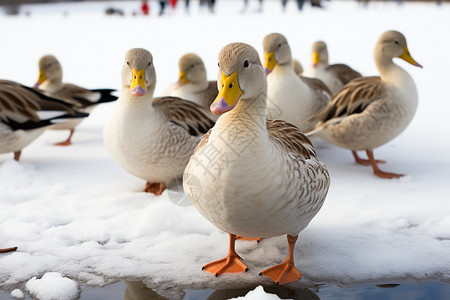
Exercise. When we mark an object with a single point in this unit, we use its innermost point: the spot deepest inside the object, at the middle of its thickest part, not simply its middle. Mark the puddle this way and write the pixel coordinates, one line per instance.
(136, 290)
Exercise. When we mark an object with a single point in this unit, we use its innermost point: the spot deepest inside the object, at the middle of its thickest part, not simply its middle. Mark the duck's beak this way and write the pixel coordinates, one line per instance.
(182, 80)
(138, 85)
(407, 57)
(183, 77)
(270, 62)
(41, 79)
(316, 59)
(229, 94)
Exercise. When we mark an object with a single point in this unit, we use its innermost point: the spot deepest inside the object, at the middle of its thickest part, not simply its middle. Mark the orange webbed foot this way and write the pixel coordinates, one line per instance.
(365, 162)
(229, 264)
(282, 273)
(65, 143)
(155, 188)
(387, 175)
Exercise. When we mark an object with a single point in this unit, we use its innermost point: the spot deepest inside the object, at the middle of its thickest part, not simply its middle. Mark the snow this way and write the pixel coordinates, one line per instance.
(17, 294)
(73, 211)
(258, 294)
(52, 286)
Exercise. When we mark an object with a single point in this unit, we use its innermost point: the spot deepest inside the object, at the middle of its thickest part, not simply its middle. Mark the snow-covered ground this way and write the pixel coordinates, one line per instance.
(73, 211)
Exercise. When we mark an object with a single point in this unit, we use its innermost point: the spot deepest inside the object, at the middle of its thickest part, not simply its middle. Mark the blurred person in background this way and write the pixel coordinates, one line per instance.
(145, 9)
(162, 6)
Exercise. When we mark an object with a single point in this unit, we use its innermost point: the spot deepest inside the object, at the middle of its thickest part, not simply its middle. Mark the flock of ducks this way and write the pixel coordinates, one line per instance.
(240, 143)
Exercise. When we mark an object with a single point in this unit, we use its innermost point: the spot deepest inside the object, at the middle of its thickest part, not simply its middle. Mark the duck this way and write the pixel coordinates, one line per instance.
(25, 113)
(152, 139)
(298, 67)
(192, 82)
(370, 111)
(50, 82)
(335, 76)
(251, 176)
(292, 98)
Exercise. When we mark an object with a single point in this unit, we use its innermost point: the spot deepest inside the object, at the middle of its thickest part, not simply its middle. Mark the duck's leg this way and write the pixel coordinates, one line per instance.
(156, 188)
(377, 171)
(6, 250)
(230, 264)
(17, 155)
(238, 237)
(68, 141)
(285, 272)
(365, 162)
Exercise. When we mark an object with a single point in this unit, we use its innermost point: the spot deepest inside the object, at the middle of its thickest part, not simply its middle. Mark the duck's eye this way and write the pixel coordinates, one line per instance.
(149, 63)
(246, 64)
(279, 45)
(128, 63)
(397, 42)
(218, 65)
(192, 66)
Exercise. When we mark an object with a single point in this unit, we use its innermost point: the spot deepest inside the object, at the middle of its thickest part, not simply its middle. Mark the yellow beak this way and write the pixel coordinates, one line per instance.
(407, 57)
(41, 79)
(316, 59)
(183, 78)
(229, 94)
(270, 62)
(138, 85)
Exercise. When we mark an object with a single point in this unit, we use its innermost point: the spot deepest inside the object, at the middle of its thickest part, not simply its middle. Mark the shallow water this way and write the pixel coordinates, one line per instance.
(134, 290)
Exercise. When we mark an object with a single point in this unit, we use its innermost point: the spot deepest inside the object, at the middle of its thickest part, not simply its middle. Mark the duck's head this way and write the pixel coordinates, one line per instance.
(393, 44)
(192, 69)
(276, 51)
(241, 77)
(50, 70)
(138, 72)
(319, 53)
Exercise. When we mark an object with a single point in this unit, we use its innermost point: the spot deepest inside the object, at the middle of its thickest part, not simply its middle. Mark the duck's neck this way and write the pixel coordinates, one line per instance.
(140, 105)
(249, 115)
(392, 73)
(52, 85)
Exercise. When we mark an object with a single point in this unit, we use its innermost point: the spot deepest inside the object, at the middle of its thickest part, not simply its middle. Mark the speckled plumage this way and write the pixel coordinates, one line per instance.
(195, 86)
(253, 177)
(334, 76)
(25, 113)
(51, 82)
(370, 111)
(152, 138)
(291, 97)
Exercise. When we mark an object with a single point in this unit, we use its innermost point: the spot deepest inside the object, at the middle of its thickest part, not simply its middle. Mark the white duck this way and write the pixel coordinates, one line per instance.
(192, 82)
(290, 97)
(152, 139)
(335, 76)
(252, 177)
(50, 81)
(370, 111)
(26, 113)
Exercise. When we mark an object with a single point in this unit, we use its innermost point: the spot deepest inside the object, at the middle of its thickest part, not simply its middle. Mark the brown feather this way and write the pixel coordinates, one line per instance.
(343, 72)
(186, 114)
(289, 138)
(353, 98)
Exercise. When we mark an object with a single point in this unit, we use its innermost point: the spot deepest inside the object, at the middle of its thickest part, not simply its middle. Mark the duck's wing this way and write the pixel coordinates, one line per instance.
(22, 107)
(343, 72)
(290, 139)
(186, 114)
(84, 97)
(352, 99)
(319, 88)
(210, 93)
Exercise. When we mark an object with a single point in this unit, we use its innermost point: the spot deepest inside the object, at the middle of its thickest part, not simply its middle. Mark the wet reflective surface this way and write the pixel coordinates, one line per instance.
(136, 290)
(132, 290)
